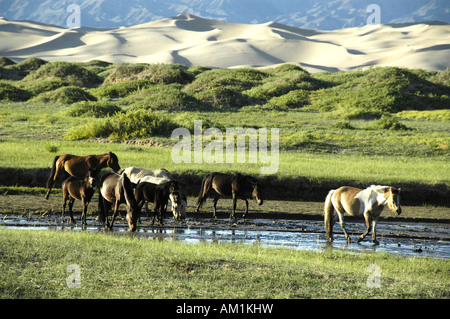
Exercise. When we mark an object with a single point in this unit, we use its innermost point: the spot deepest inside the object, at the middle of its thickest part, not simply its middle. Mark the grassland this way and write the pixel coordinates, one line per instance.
(122, 266)
(375, 126)
(381, 125)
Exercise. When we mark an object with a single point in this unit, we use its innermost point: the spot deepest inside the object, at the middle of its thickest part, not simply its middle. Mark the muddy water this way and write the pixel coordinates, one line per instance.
(400, 238)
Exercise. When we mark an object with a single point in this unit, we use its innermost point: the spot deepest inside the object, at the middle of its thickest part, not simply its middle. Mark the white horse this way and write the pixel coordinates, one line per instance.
(367, 202)
(159, 176)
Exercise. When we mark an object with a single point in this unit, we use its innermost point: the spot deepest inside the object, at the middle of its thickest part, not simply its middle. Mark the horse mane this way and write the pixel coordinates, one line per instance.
(378, 188)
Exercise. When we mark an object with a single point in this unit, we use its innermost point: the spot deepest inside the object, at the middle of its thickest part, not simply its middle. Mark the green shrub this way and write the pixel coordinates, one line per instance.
(279, 85)
(157, 73)
(343, 125)
(196, 70)
(39, 86)
(238, 79)
(93, 109)
(72, 73)
(286, 67)
(122, 126)
(223, 97)
(379, 90)
(4, 61)
(162, 97)
(11, 93)
(64, 95)
(30, 64)
(291, 100)
(92, 129)
(442, 77)
(387, 122)
(121, 89)
(222, 88)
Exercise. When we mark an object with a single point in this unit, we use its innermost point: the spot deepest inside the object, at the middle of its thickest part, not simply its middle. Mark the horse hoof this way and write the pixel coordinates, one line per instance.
(376, 242)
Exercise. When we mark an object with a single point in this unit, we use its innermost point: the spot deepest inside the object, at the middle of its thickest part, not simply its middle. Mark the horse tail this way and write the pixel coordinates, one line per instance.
(329, 215)
(204, 189)
(52, 175)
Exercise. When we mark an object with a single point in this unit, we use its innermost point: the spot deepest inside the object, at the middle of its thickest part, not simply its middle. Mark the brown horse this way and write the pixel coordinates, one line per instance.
(80, 166)
(234, 185)
(367, 202)
(75, 188)
(158, 194)
(117, 189)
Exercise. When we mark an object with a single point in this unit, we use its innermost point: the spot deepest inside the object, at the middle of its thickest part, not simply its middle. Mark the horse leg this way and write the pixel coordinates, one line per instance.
(368, 220)
(64, 206)
(374, 235)
(155, 212)
(116, 211)
(71, 201)
(234, 207)
(246, 208)
(341, 222)
(83, 215)
(216, 198)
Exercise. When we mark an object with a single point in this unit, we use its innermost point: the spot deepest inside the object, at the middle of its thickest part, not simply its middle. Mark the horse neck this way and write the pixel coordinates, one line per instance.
(103, 159)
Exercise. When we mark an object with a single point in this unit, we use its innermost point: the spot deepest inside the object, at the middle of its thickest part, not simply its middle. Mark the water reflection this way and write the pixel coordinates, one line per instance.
(292, 234)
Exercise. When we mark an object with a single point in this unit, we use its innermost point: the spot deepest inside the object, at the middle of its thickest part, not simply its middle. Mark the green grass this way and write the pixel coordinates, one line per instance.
(365, 169)
(381, 125)
(126, 266)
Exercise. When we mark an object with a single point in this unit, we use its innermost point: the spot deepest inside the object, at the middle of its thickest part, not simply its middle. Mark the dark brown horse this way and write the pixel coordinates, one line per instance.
(75, 188)
(117, 189)
(234, 185)
(80, 166)
(158, 194)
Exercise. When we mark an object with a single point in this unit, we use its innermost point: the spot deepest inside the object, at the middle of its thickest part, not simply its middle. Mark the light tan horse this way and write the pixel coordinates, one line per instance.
(80, 166)
(367, 202)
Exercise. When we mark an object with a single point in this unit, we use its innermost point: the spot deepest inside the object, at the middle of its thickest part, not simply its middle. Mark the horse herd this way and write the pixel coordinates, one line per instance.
(136, 186)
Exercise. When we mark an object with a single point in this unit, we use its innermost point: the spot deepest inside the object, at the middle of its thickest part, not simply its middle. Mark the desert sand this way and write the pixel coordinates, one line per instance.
(192, 40)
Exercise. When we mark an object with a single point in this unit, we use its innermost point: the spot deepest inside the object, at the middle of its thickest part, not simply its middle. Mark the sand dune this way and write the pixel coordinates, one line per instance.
(191, 40)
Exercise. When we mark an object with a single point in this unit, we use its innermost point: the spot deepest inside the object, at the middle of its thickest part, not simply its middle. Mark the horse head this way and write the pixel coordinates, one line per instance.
(113, 162)
(257, 191)
(393, 200)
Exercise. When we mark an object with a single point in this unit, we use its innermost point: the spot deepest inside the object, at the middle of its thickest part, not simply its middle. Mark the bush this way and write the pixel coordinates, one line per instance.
(157, 73)
(162, 97)
(223, 97)
(379, 90)
(64, 95)
(121, 89)
(39, 86)
(388, 122)
(72, 73)
(11, 93)
(237, 79)
(291, 100)
(4, 61)
(30, 64)
(93, 109)
(122, 126)
(344, 125)
(279, 85)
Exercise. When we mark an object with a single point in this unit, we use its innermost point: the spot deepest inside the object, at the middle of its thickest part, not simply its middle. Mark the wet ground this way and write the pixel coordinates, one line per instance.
(275, 226)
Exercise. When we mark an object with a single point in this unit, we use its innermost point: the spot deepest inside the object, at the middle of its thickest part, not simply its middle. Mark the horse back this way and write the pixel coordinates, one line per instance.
(77, 166)
(344, 200)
